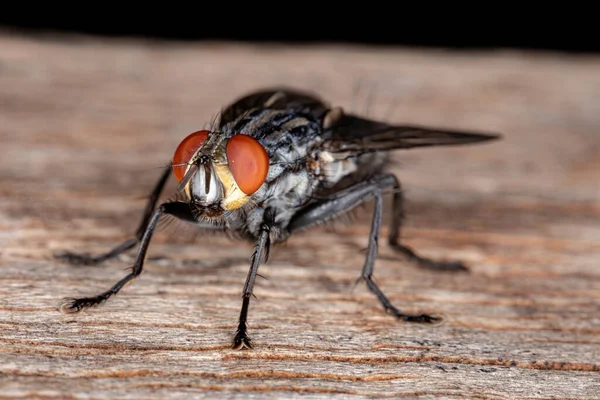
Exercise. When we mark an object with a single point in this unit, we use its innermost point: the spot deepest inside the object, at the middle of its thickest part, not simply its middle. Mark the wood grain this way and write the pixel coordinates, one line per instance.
(86, 125)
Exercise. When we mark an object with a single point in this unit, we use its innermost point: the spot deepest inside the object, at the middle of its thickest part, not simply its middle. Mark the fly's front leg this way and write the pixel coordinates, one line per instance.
(88, 259)
(177, 209)
(344, 202)
(394, 235)
(241, 338)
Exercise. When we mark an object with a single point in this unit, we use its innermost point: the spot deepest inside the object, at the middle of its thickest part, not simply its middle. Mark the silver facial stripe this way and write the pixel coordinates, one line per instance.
(206, 186)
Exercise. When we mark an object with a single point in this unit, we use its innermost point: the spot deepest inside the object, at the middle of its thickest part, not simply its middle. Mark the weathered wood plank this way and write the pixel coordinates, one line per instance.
(85, 126)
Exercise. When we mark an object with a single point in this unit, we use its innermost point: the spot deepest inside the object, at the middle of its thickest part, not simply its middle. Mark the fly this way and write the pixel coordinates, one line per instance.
(275, 163)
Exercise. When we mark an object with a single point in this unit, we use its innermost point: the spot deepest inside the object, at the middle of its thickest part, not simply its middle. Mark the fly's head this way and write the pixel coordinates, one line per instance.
(219, 173)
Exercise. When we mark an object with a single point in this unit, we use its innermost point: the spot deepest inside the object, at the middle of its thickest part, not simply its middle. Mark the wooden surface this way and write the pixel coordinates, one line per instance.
(86, 125)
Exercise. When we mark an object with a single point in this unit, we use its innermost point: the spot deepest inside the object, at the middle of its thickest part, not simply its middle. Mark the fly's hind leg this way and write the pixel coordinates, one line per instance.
(95, 259)
(410, 254)
(345, 201)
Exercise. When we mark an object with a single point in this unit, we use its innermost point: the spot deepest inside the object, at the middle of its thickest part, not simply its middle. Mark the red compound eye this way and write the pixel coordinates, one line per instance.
(248, 162)
(186, 150)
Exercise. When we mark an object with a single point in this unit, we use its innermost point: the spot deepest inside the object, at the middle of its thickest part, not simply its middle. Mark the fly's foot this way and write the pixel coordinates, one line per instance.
(78, 258)
(449, 266)
(390, 309)
(90, 259)
(72, 305)
(418, 318)
(241, 340)
(427, 263)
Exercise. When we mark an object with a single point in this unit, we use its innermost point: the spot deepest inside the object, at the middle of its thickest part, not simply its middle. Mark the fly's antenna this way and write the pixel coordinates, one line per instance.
(187, 177)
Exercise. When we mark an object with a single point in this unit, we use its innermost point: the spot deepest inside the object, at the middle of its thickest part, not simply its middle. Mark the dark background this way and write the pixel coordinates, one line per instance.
(487, 31)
